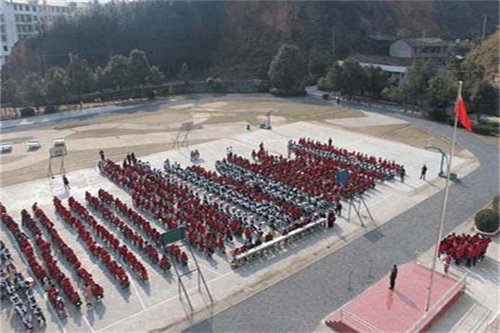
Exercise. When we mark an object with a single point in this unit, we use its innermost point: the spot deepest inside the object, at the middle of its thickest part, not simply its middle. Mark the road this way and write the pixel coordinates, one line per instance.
(299, 302)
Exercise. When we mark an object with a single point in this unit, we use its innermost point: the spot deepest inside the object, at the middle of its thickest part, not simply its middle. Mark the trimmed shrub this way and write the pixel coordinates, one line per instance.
(289, 93)
(50, 109)
(27, 112)
(487, 220)
(437, 115)
(483, 129)
(495, 203)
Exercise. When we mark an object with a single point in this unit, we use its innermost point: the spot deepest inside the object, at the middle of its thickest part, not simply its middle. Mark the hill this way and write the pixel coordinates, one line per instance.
(237, 39)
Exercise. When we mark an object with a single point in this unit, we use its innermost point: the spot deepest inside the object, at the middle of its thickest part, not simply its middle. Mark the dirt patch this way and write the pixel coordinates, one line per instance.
(81, 160)
(405, 133)
(10, 159)
(108, 132)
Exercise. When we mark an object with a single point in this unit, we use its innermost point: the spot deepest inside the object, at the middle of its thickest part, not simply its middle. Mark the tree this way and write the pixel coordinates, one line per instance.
(334, 77)
(376, 81)
(288, 69)
(118, 72)
(354, 78)
(184, 74)
(416, 80)
(438, 93)
(80, 76)
(485, 99)
(34, 90)
(57, 85)
(155, 76)
(317, 62)
(139, 67)
(11, 92)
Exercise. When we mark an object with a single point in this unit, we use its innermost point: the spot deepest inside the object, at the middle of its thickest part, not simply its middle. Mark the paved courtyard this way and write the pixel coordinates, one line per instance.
(147, 307)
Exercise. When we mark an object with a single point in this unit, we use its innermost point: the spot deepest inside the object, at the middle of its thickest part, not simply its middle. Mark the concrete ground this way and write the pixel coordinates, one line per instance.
(157, 305)
(218, 124)
(299, 302)
(480, 302)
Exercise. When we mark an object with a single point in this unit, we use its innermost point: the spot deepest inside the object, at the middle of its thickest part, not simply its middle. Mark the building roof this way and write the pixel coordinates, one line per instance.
(424, 42)
(382, 60)
(60, 3)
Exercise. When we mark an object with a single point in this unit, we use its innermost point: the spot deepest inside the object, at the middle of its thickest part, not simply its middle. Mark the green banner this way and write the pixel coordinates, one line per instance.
(172, 236)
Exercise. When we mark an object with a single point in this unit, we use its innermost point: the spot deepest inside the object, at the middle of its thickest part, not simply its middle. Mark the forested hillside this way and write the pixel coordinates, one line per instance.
(238, 39)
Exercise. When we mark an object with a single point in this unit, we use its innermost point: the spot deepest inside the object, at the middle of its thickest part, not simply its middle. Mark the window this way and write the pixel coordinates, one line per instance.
(33, 8)
(15, 7)
(6, 48)
(28, 8)
(35, 18)
(4, 38)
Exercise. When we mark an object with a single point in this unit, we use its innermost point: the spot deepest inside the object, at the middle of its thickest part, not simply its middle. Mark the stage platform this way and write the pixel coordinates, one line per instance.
(379, 309)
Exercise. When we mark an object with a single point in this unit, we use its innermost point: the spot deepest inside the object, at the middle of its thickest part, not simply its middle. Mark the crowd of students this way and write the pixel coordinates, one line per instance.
(95, 249)
(51, 264)
(19, 290)
(464, 249)
(139, 222)
(129, 234)
(28, 252)
(96, 291)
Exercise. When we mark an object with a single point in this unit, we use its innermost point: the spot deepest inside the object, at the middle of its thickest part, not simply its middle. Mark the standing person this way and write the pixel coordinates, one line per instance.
(424, 171)
(101, 153)
(402, 173)
(447, 262)
(338, 208)
(66, 182)
(393, 276)
(329, 142)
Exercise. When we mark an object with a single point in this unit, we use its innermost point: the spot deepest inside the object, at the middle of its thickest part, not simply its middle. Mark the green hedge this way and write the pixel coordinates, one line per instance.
(487, 220)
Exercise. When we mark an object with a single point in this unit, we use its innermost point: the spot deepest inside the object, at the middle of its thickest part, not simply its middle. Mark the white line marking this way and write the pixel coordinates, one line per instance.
(88, 323)
(158, 304)
(137, 294)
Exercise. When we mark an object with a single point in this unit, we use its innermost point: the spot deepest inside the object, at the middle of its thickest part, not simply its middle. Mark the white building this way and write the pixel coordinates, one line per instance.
(20, 19)
(420, 48)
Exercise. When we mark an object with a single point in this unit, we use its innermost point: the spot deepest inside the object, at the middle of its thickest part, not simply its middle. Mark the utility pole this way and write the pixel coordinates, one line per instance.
(485, 19)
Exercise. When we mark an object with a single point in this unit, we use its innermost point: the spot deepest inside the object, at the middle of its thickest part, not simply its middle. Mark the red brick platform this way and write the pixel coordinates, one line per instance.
(378, 309)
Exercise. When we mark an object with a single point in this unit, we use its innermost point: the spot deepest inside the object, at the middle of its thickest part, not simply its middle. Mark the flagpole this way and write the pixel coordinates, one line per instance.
(445, 201)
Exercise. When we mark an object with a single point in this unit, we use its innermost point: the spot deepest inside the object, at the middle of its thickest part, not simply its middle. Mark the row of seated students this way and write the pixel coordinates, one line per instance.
(251, 239)
(256, 175)
(109, 238)
(95, 249)
(51, 264)
(207, 227)
(28, 252)
(251, 198)
(140, 223)
(381, 168)
(130, 235)
(172, 204)
(68, 253)
(14, 286)
(465, 248)
(311, 174)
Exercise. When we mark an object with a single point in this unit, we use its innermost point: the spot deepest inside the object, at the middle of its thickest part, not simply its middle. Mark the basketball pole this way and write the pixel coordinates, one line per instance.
(445, 202)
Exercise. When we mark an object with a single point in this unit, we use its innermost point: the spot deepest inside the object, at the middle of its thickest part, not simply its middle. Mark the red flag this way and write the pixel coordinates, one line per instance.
(461, 113)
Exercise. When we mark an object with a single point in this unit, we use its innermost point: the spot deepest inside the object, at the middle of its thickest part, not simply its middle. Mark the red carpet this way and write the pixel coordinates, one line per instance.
(378, 309)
